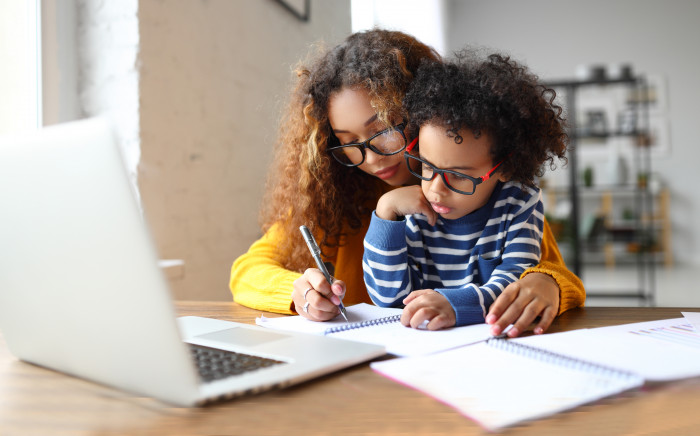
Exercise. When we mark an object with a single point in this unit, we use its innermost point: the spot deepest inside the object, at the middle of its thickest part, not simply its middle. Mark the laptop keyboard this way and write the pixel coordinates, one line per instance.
(214, 364)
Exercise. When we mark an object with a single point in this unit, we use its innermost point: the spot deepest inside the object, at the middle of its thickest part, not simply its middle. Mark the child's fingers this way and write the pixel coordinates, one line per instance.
(421, 318)
(432, 217)
(504, 306)
(503, 301)
(527, 315)
(439, 322)
(410, 310)
(547, 317)
(413, 295)
(427, 210)
(427, 309)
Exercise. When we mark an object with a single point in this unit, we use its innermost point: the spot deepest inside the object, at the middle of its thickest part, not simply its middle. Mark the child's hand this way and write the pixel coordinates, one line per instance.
(405, 201)
(534, 295)
(427, 305)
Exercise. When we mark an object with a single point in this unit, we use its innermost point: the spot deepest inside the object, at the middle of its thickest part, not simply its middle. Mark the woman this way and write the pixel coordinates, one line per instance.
(353, 94)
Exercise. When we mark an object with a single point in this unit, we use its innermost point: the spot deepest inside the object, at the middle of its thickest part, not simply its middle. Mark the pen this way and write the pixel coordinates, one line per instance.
(316, 253)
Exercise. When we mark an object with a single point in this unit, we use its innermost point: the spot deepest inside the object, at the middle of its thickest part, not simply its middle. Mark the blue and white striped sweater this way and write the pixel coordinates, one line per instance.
(469, 260)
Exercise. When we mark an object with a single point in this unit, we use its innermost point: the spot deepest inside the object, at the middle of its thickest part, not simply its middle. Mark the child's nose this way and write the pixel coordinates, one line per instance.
(437, 185)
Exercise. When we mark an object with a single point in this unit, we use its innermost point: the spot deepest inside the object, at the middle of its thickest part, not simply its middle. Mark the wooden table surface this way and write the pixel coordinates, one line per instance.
(37, 401)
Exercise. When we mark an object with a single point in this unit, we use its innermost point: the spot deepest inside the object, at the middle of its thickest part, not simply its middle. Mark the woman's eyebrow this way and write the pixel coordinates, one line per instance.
(371, 119)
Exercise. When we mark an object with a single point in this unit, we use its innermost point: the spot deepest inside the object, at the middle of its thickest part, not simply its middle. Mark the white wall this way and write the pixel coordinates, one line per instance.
(107, 48)
(214, 76)
(554, 36)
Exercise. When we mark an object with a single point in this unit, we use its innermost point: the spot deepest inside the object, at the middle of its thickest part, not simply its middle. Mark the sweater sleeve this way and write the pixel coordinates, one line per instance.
(571, 291)
(258, 279)
(386, 262)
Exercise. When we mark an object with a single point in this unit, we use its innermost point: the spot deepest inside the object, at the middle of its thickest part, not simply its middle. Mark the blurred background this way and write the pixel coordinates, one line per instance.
(195, 89)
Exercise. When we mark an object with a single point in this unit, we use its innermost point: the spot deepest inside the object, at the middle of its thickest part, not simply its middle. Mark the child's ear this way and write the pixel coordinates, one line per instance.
(502, 176)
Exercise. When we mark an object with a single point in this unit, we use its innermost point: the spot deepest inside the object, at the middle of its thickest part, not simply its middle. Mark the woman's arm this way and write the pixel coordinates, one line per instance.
(258, 279)
(546, 290)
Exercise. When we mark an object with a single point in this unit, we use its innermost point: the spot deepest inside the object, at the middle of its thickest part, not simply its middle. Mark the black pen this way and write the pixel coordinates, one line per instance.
(316, 253)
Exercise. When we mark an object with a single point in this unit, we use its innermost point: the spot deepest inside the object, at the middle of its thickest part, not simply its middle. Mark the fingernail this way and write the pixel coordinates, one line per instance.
(539, 330)
(490, 318)
(513, 332)
(496, 330)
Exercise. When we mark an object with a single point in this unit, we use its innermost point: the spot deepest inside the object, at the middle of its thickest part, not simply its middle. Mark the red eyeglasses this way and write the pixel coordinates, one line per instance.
(454, 180)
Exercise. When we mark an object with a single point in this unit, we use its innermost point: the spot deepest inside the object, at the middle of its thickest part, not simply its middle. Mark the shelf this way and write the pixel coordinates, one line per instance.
(615, 225)
(573, 83)
(583, 135)
(598, 190)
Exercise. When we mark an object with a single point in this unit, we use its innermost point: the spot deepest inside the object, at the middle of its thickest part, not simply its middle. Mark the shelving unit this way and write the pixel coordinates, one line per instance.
(612, 224)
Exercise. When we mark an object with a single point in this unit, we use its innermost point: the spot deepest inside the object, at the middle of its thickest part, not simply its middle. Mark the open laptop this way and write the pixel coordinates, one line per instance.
(81, 292)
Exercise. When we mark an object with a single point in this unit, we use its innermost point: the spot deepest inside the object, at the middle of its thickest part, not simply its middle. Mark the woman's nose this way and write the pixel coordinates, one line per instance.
(372, 157)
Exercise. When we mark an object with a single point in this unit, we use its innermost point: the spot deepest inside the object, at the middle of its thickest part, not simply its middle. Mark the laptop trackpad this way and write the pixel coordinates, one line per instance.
(243, 336)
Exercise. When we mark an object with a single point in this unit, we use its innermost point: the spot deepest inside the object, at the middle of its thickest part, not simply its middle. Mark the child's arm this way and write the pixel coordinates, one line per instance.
(545, 291)
(404, 201)
(471, 302)
(521, 251)
(386, 262)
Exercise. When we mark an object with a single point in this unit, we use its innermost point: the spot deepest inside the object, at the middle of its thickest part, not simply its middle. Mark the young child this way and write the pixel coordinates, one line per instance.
(446, 249)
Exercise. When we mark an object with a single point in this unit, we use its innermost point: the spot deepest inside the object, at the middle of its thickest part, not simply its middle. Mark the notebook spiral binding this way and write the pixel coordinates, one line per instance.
(551, 357)
(361, 324)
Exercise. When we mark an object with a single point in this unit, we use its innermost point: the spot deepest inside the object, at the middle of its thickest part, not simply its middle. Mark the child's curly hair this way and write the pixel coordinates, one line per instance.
(497, 96)
(306, 185)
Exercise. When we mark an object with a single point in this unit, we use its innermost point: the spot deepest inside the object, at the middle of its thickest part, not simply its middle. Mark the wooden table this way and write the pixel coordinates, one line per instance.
(37, 401)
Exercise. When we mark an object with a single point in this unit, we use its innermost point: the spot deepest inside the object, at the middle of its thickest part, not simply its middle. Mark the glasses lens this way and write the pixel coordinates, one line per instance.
(348, 155)
(389, 142)
(460, 182)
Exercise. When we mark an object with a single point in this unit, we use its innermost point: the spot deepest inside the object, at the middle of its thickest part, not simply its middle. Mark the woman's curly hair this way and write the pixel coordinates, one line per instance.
(305, 184)
(499, 97)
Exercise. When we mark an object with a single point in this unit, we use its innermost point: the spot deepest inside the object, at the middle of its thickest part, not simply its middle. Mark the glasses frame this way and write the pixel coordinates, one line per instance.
(366, 144)
(475, 180)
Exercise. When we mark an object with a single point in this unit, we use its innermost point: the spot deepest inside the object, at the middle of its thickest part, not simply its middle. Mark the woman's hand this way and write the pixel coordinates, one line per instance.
(534, 295)
(426, 305)
(314, 298)
(405, 201)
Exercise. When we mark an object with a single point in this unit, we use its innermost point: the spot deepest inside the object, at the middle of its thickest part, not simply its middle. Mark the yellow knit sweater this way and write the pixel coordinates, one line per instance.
(258, 279)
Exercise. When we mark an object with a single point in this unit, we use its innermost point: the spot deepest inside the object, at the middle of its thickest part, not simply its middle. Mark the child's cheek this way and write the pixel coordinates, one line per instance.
(425, 186)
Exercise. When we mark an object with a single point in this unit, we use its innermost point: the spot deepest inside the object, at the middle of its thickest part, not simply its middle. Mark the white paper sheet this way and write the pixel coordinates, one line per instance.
(694, 319)
(398, 340)
(661, 350)
(498, 388)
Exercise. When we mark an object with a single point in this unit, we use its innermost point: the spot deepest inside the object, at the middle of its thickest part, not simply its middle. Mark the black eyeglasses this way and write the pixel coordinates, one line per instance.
(388, 142)
(455, 181)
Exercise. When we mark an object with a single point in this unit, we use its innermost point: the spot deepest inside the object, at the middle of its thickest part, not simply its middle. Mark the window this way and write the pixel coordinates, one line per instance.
(20, 78)
(424, 19)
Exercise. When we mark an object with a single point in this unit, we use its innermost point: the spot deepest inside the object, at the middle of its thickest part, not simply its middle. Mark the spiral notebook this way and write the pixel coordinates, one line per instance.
(499, 382)
(379, 325)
